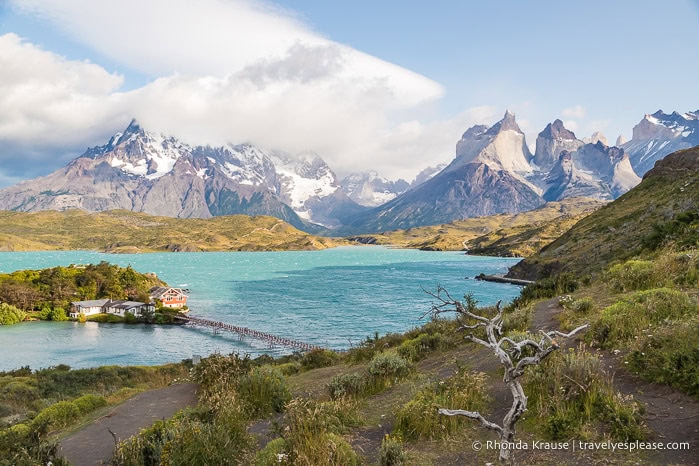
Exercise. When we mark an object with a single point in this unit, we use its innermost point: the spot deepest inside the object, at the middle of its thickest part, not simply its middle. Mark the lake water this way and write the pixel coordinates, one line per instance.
(334, 298)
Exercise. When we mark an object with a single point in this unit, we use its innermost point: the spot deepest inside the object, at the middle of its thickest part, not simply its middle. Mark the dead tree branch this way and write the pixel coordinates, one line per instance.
(509, 352)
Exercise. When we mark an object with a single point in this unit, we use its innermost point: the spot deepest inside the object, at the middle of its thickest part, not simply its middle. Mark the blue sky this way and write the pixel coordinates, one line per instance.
(384, 85)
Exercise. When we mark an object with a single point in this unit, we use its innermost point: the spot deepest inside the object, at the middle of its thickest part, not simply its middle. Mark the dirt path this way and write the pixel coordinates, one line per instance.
(670, 414)
(95, 445)
(367, 440)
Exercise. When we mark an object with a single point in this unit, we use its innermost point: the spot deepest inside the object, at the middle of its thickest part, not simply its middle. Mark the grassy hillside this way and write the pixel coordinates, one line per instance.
(631, 270)
(505, 234)
(661, 211)
(127, 232)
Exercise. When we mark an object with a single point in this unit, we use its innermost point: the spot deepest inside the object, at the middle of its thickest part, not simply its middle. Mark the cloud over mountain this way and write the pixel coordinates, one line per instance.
(223, 71)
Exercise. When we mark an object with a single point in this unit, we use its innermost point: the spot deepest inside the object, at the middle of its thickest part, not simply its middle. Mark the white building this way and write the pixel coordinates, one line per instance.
(108, 306)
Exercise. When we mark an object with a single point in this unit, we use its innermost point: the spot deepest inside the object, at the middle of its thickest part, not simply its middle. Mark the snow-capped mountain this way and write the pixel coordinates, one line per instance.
(309, 186)
(148, 172)
(494, 172)
(660, 134)
(593, 170)
(487, 176)
(426, 174)
(370, 189)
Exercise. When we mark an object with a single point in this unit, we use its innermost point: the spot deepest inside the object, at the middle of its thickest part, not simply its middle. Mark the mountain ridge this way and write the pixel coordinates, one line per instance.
(493, 171)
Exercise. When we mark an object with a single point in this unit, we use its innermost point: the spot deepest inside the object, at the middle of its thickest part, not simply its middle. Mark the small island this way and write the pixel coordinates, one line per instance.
(98, 293)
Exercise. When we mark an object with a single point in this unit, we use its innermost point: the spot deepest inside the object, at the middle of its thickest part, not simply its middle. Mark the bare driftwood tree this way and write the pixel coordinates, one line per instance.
(514, 356)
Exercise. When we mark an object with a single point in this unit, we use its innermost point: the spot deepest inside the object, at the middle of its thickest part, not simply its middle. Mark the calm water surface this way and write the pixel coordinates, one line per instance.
(335, 298)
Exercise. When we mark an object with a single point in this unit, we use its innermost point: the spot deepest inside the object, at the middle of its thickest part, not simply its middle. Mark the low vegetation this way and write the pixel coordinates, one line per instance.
(420, 419)
(571, 396)
(35, 404)
(131, 232)
(645, 308)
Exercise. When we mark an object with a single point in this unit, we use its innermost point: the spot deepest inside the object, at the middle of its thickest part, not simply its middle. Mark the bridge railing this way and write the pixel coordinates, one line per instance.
(248, 332)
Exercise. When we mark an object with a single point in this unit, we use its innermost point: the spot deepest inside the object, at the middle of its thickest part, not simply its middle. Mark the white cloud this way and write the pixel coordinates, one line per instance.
(577, 111)
(50, 106)
(571, 125)
(209, 38)
(224, 71)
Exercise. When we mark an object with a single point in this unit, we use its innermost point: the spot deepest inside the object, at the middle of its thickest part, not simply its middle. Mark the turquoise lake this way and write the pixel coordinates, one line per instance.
(334, 298)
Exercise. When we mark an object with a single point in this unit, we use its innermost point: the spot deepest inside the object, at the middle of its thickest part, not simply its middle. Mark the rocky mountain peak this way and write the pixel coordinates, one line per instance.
(660, 134)
(551, 142)
(474, 132)
(557, 130)
(371, 189)
(596, 137)
(508, 123)
(426, 174)
(502, 147)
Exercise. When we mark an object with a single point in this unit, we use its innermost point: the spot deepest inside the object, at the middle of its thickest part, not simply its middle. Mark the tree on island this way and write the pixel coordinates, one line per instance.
(514, 356)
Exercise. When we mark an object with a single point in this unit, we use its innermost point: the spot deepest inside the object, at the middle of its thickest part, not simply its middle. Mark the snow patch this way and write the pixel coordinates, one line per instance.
(300, 189)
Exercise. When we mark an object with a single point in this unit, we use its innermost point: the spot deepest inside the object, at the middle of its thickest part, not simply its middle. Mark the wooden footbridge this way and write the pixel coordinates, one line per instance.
(247, 332)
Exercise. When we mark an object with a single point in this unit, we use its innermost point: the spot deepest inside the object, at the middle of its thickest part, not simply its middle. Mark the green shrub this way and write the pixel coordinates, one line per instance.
(582, 306)
(517, 318)
(634, 275)
(682, 230)
(419, 418)
(58, 314)
(45, 312)
(58, 382)
(10, 315)
(289, 368)
(388, 365)
(191, 437)
(344, 385)
(273, 454)
(20, 390)
(55, 416)
(391, 452)
(628, 318)
(264, 390)
(570, 394)
(223, 441)
(319, 358)
(312, 434)
(669, 355)
(362, 353)
(546, 288)
(12, 440)
(105, 318)
(418, 348)
(88, 403)
(218, 372)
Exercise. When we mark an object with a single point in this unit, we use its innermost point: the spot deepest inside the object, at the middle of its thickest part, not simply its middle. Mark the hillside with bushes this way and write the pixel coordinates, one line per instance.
(660, 213)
